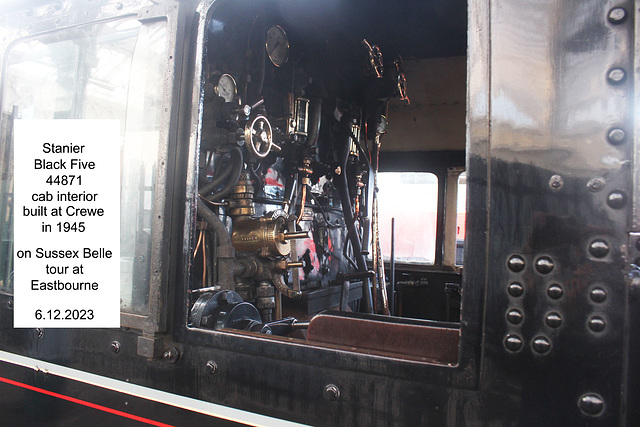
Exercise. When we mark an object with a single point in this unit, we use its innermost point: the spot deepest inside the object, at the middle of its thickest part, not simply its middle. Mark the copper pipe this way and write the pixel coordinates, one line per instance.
(302, 201)
(278, 309)
(204, 259)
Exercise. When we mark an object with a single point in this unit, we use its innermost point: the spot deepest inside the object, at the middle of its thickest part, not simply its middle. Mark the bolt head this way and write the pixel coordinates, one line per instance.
(515, 289)
(556, 182)
(598, 294)
(516, 263)
(513, 342)
(616, 76)
(617, 199)
(599, 248)
(544, 265)
(515, 316)
(616, 136)
(541, 344)
(212, 367)
(617, 15)
(555, 291)
(595, 185)
(591, 404)
(597, 323)
(331, 392)
(553, 319)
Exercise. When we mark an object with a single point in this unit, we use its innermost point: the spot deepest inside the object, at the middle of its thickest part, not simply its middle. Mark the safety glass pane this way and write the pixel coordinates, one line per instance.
(108, 70)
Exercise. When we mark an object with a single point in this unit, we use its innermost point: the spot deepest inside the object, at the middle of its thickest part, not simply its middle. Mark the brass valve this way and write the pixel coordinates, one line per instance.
(261, 235)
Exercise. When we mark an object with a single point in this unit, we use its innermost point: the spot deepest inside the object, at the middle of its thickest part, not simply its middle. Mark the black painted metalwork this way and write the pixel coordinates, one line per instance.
(550, 284)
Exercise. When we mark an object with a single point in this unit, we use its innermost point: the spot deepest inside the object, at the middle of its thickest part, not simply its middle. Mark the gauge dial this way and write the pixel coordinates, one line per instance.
(277, 45)
(226, 88)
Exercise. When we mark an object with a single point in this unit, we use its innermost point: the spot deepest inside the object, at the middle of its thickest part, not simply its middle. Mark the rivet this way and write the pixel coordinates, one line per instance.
(212, 367)
(617, 15)
(544, 265)
(595, 185)
(40, 332)
(553, 319)
(616, 76)
(119, 6)
(10, 305)
(516, 263)
(331, 392)
(541, 344)
(171, 355)
(515, 289)
(115, 347)
(597, 323)
(598, 294)
(617, 199)
(555, 182)
(513, 342)
(591, 404)
(555, 291)
(616, 136)
(514, 316)
(599, 248)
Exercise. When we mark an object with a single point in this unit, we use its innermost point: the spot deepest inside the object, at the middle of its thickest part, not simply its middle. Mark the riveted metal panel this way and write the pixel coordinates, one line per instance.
(559, 207)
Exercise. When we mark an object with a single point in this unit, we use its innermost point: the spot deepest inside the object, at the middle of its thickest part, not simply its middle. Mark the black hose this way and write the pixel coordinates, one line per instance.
(236, 170)
(214, 222)
(209, 186)
(345, 200)
(225, 253)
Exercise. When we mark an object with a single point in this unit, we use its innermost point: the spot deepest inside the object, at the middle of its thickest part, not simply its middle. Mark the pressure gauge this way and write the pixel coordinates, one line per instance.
(277, 45)
(226, 88)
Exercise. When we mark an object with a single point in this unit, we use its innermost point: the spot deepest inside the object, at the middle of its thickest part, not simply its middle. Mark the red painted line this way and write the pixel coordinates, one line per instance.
(85, 403)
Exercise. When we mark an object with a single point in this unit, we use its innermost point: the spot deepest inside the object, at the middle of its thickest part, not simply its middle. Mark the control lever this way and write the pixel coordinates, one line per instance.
(375, 58)
(346, 282)
(277, 327)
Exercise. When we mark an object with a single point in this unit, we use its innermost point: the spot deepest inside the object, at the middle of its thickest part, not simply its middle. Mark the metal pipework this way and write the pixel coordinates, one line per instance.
(225, 252)
(278, 267)
(241, 198)
(293, 235)
(278, 282)
(345, 198)
(262, 235)
(266, 235)
(294, 264)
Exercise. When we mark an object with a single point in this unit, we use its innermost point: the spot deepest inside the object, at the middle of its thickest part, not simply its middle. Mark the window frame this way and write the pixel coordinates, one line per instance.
(154, 321)
(274, 350)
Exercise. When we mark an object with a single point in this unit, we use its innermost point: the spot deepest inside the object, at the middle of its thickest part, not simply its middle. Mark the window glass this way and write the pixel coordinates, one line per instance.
(412, 199)
(462, 217)
(108, 70)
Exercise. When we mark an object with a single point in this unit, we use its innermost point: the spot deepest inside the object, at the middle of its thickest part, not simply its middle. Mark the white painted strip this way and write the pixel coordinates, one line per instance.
(190, 404)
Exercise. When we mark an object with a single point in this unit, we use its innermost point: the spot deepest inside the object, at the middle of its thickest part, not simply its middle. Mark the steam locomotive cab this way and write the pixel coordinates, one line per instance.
(342, 213)
(294, 115)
